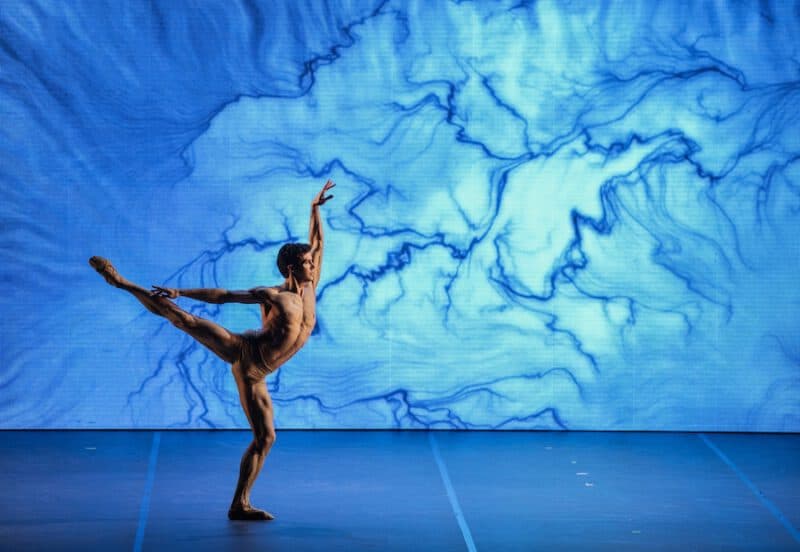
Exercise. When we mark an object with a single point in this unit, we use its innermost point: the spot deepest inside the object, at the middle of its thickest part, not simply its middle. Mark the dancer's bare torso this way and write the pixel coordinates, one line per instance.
(287, 320)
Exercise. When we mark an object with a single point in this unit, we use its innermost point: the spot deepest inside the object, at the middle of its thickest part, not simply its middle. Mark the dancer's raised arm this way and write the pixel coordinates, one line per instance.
(215, 295)
(315, 230)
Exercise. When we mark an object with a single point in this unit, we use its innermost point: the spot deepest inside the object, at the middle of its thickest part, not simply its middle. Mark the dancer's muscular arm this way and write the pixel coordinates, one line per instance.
(214, 295)
(315, 229)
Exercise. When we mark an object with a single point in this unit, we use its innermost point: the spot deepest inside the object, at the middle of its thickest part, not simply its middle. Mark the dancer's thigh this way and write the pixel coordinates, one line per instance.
(224, 343)
(257, 405)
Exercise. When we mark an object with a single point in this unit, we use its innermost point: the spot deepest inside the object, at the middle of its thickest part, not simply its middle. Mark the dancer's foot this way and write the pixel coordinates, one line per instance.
(249, 514)
(106, 270)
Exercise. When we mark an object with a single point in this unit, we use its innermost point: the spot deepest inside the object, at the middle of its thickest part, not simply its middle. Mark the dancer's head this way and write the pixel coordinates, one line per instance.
(295, 258)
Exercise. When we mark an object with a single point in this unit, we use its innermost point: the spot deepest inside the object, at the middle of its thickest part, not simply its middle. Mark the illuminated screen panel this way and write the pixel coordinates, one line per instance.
(547, 215)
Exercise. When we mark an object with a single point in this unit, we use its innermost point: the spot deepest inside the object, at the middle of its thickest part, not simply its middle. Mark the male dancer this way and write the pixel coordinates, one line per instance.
(287, 315)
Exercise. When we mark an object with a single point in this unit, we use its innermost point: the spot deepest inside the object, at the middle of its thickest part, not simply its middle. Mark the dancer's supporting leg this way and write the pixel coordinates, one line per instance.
(220, 341)
(257, 405)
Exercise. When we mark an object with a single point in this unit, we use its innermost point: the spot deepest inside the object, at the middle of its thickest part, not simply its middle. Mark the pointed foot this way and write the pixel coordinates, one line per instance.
(104, 267)
(249, 514)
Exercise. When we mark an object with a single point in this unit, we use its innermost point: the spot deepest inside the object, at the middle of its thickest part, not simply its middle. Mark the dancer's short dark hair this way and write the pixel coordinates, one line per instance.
(290, 254)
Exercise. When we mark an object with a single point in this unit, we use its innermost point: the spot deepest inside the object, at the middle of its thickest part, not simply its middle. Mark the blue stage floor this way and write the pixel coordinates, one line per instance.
(352, 490)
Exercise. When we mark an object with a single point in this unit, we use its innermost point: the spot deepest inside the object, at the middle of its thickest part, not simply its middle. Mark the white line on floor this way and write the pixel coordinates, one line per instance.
(451, 494)
(752, 486)
(144, 509)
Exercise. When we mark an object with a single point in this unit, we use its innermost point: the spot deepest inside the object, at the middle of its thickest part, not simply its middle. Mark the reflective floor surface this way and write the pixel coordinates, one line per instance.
(353, 490)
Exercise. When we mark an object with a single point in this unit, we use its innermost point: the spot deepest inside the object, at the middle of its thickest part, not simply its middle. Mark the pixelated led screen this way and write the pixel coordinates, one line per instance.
(548, 215)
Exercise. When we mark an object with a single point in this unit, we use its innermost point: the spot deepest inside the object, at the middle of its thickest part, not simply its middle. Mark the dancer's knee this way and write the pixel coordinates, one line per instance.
(264, 442)
(182, 321)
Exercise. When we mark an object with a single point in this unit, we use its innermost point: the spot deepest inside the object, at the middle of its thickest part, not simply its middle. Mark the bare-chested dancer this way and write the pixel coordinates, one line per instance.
(287, 316)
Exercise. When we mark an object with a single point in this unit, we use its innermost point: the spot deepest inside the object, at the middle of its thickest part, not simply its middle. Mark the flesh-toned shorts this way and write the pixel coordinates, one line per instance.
(251, 360)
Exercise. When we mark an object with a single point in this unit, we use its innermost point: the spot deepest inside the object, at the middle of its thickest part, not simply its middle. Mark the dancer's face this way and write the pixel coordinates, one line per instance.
(305, 272)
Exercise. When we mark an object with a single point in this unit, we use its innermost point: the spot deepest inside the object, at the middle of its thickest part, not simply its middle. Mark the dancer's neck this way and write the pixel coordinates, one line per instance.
(291, 284)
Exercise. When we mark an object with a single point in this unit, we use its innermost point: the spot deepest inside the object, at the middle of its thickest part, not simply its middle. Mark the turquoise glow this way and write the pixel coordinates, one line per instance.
(548, 215)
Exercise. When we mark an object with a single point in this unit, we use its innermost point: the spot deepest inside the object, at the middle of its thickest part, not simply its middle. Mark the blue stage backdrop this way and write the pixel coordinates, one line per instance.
(549, 215)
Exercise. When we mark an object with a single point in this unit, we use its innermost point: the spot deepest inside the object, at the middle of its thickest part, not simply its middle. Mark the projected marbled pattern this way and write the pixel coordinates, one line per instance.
(546, 216)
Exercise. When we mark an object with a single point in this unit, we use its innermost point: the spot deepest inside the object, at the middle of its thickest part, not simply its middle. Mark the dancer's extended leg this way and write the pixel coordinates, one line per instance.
(257, 405)
(254, 397)
(220, 341)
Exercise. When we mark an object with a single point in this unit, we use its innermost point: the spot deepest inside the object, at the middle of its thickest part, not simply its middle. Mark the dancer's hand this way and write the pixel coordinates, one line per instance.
(170, 293)
(321, 198)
